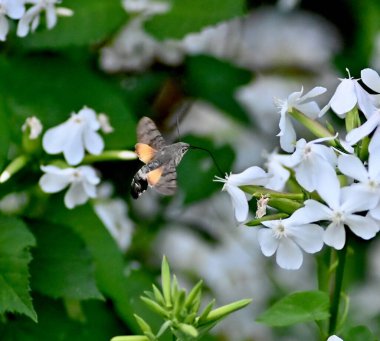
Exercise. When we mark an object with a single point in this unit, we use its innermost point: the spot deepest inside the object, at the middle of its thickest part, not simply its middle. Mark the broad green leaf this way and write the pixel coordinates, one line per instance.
(62, 266)
(110, 270)
(99, 323)
(15, 241)
(297, 307)
(52, 88)
(93, 22)
(197, 169)
(188, 16)
(359, 333)
(216, 81)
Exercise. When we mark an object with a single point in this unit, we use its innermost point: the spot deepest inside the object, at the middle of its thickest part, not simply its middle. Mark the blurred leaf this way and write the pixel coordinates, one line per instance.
(359, 333)
(93, 21)
(297, 307)
(4, 132)
(61, 266)
(15, 241)
(99, 324)
(216, 81)
(111, 273)
(52, 88)
(197, 169)
(188, 16)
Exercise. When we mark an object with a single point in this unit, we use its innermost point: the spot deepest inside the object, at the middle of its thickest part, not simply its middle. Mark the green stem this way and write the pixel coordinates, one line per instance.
(16, 165)
(337, 290)
(258, 191)
(111, 155)
(315, 127)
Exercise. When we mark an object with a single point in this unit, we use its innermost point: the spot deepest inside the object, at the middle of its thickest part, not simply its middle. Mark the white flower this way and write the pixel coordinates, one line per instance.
(251, 176)
(31, 19)
(146, 7)
(279, 174)
(34, 125)
(369, 180)
(347, 95)
(75, 135)
(302, 103)
(82, 182)
(334, 338)
(105, 124)
(14, 9)
(114, 215)
(341, 207)
(287, 237)
(312, 162)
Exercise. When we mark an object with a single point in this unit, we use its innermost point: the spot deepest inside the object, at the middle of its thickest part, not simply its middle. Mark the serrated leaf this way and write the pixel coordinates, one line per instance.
(90, 24)
(216, 81)
(296, 308)
(188, 16)
(62, 266)
(15, 241)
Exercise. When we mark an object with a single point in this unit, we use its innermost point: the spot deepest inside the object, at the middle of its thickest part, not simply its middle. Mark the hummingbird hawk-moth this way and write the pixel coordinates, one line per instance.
(160, 158)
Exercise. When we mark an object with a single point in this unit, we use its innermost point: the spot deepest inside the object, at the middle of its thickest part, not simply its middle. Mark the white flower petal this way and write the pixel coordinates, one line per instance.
(335, 236)
(55, 138)
(268, 243)
(288, 137)
(371, 78)
(4, 27)
(89, 174)
(352, 166)
(51, 16)
(355, 199)
(289, 256)
(312, 211)
(73, 148)
(52, 183)
(365, 129)
(251, 176)
(93, 142)
(374, 145)
(344, 98)
(318, 90)
(309, 237)
(375, 212)
(239, 202)
(15, 9)
(328, 186)
(364, 227)
(365, 102)
(89, 115)
(310, 109)
(75, 195)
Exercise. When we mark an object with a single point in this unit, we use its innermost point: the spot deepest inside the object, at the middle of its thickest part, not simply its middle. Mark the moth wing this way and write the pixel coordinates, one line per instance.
(154, 176)
(144, 152)
(167, 183)
(148, 133)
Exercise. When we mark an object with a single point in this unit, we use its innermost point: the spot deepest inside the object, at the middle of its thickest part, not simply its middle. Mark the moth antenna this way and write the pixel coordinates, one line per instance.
(212, 156)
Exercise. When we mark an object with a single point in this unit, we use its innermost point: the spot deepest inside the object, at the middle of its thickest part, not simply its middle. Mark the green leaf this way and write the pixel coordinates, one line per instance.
(216, 81)
(56, 88)
(100, 323)
(197, 169)
(359, 333)
(166, 281)
(90, 24)
(15, 241)
(296, 308)
(192, 15)
(62, 266)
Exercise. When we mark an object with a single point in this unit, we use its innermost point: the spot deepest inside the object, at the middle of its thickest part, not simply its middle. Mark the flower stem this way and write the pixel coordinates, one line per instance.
(337, 290)
(16, 165)
(315, 127)
(111, 155)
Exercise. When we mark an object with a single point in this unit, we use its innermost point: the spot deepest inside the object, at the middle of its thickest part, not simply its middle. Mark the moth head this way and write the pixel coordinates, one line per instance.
(184, 147)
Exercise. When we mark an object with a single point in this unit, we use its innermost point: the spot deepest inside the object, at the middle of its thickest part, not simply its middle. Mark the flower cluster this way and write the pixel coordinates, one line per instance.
(334, 183)
(28, 13)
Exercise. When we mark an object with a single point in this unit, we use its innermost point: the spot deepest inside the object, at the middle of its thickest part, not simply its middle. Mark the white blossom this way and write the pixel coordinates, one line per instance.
(73, 137)
(251, 176)
(31, 18)
(105, 124)
(14, 9)
(347, 95)
(146, 7)
(34, 125)
(286, 238)
(304, 104)
(334, 338)
(341, 208)
(279, 175)
(312, 163)
(114, 215)
(81, 181)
